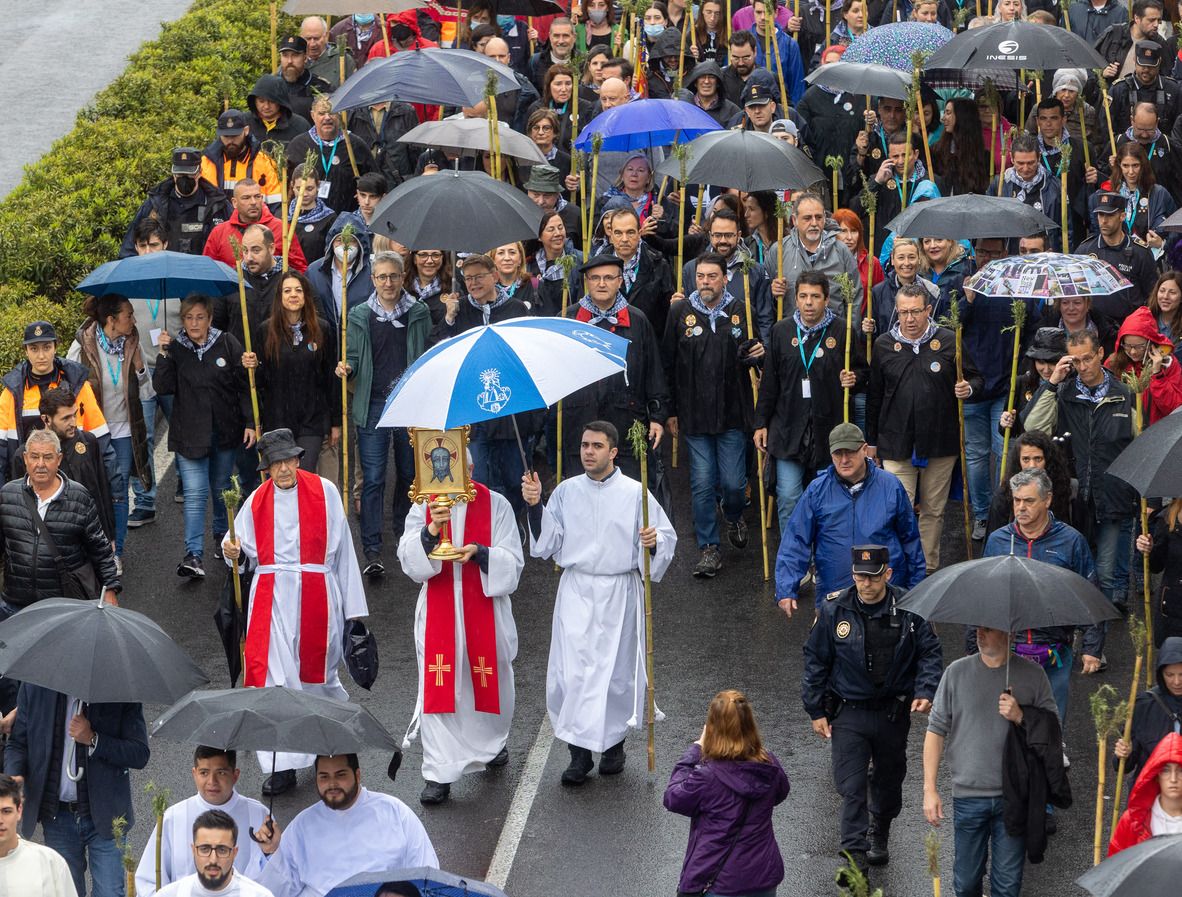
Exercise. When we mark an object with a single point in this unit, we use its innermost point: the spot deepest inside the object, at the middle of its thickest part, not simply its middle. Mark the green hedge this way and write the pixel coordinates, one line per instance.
(71, 210)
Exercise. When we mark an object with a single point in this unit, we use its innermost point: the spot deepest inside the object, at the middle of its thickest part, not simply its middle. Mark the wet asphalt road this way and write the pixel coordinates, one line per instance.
(57, 55)
(613, 835)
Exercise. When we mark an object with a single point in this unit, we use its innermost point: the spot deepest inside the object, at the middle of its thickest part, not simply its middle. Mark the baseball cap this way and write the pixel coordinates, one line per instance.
(1148, 52)
(1108, 203)
(846, 438)
(39, 332)
(231, 123)
(294, 44)
(870, 559)
(186, 160)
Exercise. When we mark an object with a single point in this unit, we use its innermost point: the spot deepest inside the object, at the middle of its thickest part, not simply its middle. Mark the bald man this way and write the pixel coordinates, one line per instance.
(324, 60)
(612, 93)
(512, 106)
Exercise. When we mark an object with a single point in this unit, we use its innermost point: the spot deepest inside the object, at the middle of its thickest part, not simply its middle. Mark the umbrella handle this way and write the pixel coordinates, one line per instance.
(73, 773)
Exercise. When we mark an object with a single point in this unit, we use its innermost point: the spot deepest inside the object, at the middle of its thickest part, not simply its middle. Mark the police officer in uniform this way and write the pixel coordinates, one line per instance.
(1146, 84)
(1125, 252)
(868, 667)
(187, 206)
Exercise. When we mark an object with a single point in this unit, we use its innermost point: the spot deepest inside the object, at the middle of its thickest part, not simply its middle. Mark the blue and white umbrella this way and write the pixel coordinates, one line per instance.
(513, 366)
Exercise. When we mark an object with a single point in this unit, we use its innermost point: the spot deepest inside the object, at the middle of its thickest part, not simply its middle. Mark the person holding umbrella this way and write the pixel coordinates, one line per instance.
(868, 667)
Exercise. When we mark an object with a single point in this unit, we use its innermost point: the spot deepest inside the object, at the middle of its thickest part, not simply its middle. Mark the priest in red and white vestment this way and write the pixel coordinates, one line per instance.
(465, 638)
(293, 534)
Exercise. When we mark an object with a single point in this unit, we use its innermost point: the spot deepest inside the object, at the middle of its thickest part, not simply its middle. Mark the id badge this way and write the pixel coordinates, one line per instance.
(322, 190)
(155, 334)
(806, 388)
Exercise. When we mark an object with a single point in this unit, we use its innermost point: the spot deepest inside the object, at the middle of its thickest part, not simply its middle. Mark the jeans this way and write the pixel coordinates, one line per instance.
(858, 411)
(718, 462)
(789, 488)
(1113, 545)
(497, 464)
(980, 832)
(125, 460)
(980, 438)
(373, 454)
(1060, 679)
(74, 837)
(145, 499)
(200, 477)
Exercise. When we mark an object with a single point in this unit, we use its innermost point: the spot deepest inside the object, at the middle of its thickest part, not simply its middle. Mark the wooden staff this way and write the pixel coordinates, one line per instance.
(769, 10)
(1107, 101)
(828, 20)
(160, 799)
(1018, 314)
(1137, 636)
(347, 236)
(846, 283)
(232, 498)
(277, 151)
(779, 64)
(870, 203)
(1083, 134)
(699, 206)
(1142, 384)
(783, 210)
(912, 99)
(834, 163)
(1064, 164)
(236, 246)
(679, 151)
(1106, 715)
(274, 35)
(1065, 5)
(638, 436)
(918, 58)
(1007, 142)
(568, 265)
(966, 505)
(494, 132)
(289, 234)
(578, 193)
(596, 143)
(578, 61)
(349, 144)
(994, 100)
(126, 857)
(931, 842)
(686, 26)
(746, 261)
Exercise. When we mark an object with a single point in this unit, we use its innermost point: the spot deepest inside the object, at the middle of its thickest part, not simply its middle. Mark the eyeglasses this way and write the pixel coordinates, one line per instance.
(542, 127)
(387, 278)
(206, 849)
(911, 312)
(430, 255)
(603, 278)
(731, 236)
(474, 277)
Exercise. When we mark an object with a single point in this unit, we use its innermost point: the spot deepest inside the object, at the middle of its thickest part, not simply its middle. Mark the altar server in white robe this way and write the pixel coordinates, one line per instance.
(591, 527)
(216, 875)
(350, 830)
(295, 537)
(215, 774)
(465, 638)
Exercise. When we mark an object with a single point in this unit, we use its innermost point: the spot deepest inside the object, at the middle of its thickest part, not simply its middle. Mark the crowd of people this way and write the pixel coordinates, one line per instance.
(800, 363)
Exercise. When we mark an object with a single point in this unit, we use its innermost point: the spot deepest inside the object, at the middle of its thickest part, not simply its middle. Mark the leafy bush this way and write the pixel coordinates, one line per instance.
(71, 210)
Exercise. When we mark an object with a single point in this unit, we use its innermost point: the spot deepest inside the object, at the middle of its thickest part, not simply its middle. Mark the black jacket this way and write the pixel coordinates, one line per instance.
(84, 461)
(187, 219)
(211, 403)
(289, 124)
(833, 127)
(910, 407)
(798, 428)
(303, 91)
(342, 190)
(763, 306)
(1155, 713)
(30, 572)
(1132, 259)
(1165, 94)
(395, 160)
(1032, 776)
(298, 389)
(1166, 558)
(652, 289)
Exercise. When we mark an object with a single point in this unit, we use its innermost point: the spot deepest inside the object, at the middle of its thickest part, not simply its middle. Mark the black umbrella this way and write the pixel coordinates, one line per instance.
(431, 75)
(870, 79)
(743, 160)
(1152, 463)
(515, 7)
(1015, 45)
(95, 651)
(463, 211)
(970, 217)
(1173, 224)
(1151, 867)
(1010, 593)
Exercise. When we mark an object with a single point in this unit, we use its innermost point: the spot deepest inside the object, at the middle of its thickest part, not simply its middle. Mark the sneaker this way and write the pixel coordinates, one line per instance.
(710, 564)
(374, 567)
(179, 498)
(191, 567)
(140, 517)
(118, 566)
(736, 533)
(979, 530)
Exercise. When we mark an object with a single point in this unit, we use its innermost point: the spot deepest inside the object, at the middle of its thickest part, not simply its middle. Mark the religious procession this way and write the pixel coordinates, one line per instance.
(575, 446)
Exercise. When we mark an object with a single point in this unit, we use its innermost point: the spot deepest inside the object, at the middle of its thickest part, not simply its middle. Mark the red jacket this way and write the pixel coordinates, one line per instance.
(1165, 387)
(218, 245)
(1133, 827)
(410, 19)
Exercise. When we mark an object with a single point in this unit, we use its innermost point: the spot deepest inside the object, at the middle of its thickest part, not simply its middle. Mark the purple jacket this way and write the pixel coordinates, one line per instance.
(713, 795)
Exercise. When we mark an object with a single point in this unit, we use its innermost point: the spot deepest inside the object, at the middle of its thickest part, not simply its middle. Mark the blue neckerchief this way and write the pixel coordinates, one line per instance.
(712, 314)
(391, 316)
(1094, 395)
(199, 351)
(915, 344)
(611, 315)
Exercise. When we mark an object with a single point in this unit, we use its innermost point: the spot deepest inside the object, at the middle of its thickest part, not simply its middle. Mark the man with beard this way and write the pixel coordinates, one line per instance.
(870, 147)
(811, 246)
(236, 156)
(901, 166)
(352, 830)
(187, 206)
(249, 209)
(330, 147)
(215, 847)
(302, 85)
(1126, 253)
(1146, 84)
(261, 268)
(725, 238)
(741, 64)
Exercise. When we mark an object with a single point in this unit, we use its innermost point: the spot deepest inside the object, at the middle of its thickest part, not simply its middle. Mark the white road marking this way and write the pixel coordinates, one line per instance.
(519, 809)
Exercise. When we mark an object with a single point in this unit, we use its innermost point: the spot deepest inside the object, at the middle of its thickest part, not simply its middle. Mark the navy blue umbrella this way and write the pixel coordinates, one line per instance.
(429, 882)
(643, 124)
(161, 275)
(431, 75)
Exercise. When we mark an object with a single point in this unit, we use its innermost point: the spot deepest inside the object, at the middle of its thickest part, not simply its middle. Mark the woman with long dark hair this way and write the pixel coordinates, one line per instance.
(1165, 301)
(1147, 202)
(759, 214)
(429, 279)
(728, 783)
(960, 155)
(1033, 449)
(712, 32)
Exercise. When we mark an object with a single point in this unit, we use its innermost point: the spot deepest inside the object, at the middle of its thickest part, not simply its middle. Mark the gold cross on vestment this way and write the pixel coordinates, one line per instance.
(482, 671)
(439, 668)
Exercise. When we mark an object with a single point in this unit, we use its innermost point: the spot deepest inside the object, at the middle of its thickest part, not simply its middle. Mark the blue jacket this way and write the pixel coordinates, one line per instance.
(122, 745)
(790, 63)
(828, 521)
(1063, 546)
(989, 340)
(835, 658)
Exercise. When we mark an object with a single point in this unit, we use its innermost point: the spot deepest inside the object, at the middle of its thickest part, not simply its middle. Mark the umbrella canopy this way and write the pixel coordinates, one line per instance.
(1151, 867)
(347, 7)
(1172, 224)
(464, 211)
(1047, 275)
(1152, 463)
(970, 217)
(431, 75)
(871, 79)
(744, 160)
(505, 368)
(161, 275)
(517, 7)
(643, 124)
(272, 719)
(891, 45)
(430, 882)
(1010, 593)
(1015, 45)
(96, 652)
(471, 135)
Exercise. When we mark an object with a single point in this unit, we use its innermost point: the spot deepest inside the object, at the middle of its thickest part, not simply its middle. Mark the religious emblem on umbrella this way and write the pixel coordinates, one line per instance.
(494, 396)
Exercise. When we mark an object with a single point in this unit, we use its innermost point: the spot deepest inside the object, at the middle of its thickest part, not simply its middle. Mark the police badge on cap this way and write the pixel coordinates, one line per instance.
(871, 560)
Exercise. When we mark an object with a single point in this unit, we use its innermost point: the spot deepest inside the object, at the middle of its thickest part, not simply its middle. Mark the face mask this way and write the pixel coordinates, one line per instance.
(597, 16)
(507, 23)
(339, 252)
(185, 184)
(364, 19)
(401, 32)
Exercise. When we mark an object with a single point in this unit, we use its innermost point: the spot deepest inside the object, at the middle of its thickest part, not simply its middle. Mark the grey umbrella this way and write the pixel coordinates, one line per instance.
(970, 217)
(463, 211)
(1152, 463)
(870, 79)
(430, 75)
(744, 160)
(1151, 867)
(96, 652)
(471, 135)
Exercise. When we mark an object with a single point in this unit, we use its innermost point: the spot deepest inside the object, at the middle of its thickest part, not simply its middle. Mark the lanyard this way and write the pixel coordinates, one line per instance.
(154, 308)
(115, 371)
(1131, 215)
(1047, 163)
(331, 159)
(801, 339)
